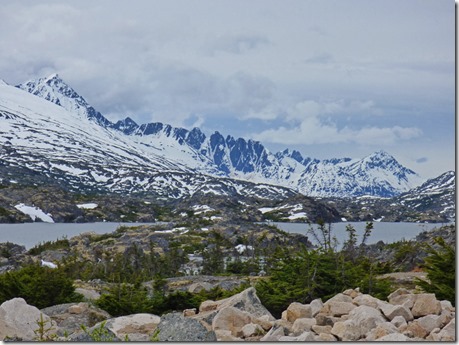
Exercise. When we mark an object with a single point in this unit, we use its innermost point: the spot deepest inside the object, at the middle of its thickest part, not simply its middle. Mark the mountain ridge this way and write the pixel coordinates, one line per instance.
(377, 174)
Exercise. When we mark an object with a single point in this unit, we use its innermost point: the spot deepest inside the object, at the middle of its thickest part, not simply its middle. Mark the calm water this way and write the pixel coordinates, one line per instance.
(30, 234)
(382, 231)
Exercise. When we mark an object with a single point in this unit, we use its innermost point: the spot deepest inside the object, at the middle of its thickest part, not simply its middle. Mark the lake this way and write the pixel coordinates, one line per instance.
(382, 231)
(30, 234)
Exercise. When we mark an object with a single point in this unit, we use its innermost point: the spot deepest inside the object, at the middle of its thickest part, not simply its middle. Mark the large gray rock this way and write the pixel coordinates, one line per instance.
(176, 327)
(446, 305)
(19, 320)
(367, 300)
(252, 330)
(366, 317)
(425, 304)
(340, 297)
(448, 333)
(69, 317)
(391, 311)
(429, 322)
(246, 300)
(231, 319)
(380, 331)
(399, 321)
(361, 321)
(316, 305)
(402, 297)
(398, 292)
(337, 308)
(346, 331)
(136, 327)
(296, 311)
(302, 325)
(274, 334)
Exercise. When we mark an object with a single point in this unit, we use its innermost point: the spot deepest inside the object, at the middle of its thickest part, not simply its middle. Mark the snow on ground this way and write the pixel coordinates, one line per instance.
(202, 209)
(88, 206)
(266, 209)
(181, 230)
(298, 215)
(241, 248)
(34, 213)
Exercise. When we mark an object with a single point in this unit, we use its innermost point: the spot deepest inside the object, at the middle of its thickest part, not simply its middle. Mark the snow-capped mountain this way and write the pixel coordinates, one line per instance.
(72, 138)
(43, 143)
(438, 194)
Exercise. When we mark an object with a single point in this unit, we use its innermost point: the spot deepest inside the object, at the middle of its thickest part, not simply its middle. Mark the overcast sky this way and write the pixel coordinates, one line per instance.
(329, 78)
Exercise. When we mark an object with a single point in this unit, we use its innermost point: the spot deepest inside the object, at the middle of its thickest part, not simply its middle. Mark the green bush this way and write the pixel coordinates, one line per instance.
(440, 266)
(125, 299)
(39, 286)
(308, 274)
(50, 245)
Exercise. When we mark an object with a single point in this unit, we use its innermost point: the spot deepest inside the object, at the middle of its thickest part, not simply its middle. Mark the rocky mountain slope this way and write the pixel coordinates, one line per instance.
(433, 201)
(437, 194)
(147, 150)
(44, 144)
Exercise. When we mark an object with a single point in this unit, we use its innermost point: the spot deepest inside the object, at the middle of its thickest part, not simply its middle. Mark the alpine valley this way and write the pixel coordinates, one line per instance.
(57, 152)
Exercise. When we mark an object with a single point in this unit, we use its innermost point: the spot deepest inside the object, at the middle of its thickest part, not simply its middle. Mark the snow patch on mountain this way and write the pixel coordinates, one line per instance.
(34, 213)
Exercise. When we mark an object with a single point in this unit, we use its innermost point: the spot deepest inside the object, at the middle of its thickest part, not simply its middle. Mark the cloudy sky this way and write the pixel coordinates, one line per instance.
(330, 78)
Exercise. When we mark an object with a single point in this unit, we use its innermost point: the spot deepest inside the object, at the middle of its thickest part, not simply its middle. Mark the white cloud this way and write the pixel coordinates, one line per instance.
(305, 125)
(319, 75)
(312, 132)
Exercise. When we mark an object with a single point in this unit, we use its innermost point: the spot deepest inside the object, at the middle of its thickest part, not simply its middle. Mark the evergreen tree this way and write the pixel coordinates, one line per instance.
(440, 266)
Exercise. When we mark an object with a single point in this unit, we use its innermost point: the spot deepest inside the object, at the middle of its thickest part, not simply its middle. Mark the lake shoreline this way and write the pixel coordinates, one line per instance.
(31, 234)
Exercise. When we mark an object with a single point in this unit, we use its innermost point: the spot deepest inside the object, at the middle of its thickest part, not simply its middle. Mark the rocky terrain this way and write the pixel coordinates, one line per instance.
(67, 207)
(408, 314)
(348, 316)
(240, 238)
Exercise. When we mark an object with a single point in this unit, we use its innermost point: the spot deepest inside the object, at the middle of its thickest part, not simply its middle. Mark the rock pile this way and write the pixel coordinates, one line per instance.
(348, 316)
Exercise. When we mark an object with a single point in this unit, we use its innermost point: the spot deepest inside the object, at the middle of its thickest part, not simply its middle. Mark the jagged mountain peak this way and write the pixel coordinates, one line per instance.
(377, 174)
(383, 160)
(127, 126)
(380, 155)
(54, 89)
(53, 77)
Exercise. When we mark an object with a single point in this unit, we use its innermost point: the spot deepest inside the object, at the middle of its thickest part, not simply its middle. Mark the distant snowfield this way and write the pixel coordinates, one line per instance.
(88, 206)
(34, 213)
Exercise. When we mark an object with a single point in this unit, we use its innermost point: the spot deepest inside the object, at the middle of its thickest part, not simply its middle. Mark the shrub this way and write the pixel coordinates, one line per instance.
(125, 299)
(50, 245)
(440, 266)
(319, 273)
(39, 286)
